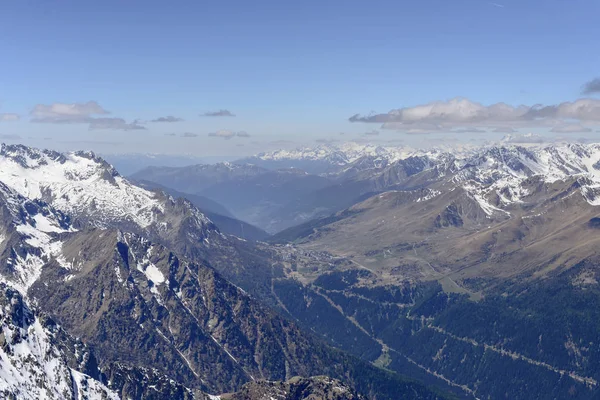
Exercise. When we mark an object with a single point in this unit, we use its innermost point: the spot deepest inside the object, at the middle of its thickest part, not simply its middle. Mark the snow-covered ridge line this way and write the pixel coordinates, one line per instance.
(500, 170)
(77, 183)
(494, 175)
(506, 170)
(338, 155)
(45, 192)
(349, 152)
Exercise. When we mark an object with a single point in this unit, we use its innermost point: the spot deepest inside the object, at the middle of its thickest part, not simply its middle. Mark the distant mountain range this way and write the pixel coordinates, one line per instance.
(272, 193)
(498, 206)
(214, 211)
(253, 194)
(325, 158)
(129, 163)
(473, 273)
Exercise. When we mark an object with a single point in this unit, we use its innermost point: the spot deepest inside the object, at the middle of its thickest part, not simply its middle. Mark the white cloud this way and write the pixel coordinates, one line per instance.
(66, 113)
(463, 114)
(81, 113)
(9, 117)
(222, 134)
(114, 124)
(520, 138)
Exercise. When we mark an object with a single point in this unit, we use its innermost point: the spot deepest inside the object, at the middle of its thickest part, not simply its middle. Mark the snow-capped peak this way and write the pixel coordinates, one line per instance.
(338, 154)
(503, 170)
(77, 183)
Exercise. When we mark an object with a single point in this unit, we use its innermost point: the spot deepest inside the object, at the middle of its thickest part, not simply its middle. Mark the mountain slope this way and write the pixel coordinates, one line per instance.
(510, 235)
(196, 178)
(253, 194)
(32, 365)
(203, 203)
(133, 282)
(512, 227)
(494, 214)
(218, 214)
(180, 318)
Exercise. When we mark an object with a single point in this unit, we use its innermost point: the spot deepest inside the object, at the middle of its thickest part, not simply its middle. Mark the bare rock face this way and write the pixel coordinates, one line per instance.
(140, 304)
(297, 388)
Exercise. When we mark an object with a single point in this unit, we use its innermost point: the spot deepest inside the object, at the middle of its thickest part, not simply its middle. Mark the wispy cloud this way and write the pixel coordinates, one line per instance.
(226, 134)
(10, 137)
(114, 124)
(469, 130)
(189, 135)
(81, 113)
(220, 113)
(6, 117)
(498, 5)
(63, 113)
(168, 118)
(170, 134)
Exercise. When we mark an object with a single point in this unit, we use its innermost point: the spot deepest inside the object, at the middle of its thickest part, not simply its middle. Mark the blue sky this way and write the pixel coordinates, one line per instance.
(289, 71)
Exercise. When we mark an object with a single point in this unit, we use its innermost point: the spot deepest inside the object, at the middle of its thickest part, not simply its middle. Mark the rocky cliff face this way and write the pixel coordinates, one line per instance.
(139, 303)
(297, 388)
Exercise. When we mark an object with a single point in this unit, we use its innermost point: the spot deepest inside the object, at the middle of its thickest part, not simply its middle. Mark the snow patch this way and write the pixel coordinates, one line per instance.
(32, 368)
(154, 274)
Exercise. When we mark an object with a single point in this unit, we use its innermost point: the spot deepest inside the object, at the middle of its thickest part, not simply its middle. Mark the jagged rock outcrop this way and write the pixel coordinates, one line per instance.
(297, 388)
